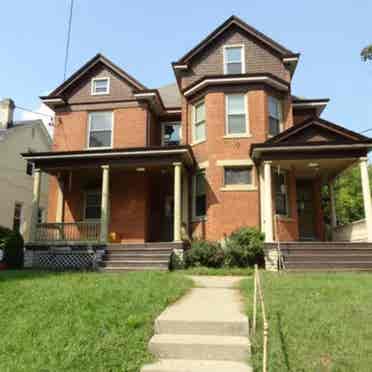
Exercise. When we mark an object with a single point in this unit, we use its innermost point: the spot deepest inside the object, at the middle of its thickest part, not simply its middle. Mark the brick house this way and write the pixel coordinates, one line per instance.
(227, 145)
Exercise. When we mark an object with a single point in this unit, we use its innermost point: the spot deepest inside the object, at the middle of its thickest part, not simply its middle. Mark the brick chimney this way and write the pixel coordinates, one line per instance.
(6, 113)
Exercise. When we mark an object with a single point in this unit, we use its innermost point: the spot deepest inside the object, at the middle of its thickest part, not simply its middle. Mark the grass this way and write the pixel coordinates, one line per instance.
(201, 270)
(317, 322)
(81, 321)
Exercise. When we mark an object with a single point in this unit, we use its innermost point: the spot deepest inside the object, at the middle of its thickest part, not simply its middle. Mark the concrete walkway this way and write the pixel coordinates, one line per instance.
(206, 331)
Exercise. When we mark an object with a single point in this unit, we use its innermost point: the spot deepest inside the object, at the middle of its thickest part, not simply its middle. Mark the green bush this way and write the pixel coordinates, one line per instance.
(204, 253)
(11, 242)
(244, 247)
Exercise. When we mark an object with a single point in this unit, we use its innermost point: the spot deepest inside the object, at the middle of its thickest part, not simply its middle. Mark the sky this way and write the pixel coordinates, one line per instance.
(144, 37)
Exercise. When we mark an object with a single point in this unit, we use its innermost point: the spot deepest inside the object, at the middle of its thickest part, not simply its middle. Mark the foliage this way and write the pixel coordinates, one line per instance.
(366, 53)
(81, 321)
(315, 321)
(11, 242)
(348, 197)
(244, 247)
(204, 253)
(176, 262)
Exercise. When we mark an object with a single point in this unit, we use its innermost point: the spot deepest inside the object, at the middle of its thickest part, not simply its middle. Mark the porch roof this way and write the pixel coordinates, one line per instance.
(131, 157)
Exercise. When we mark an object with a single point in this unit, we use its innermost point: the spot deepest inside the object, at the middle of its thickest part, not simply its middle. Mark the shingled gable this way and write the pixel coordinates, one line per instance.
(235, 21)
(85, 69)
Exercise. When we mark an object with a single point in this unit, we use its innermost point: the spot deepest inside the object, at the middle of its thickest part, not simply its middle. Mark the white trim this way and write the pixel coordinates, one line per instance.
(246, 113)
(112, 153)
(194, 141)
(290, 59)
(52, 100)
(234, 162)
(164, 123)
(92, 87)
(139, 95)
(256, 79)
(112, 131)
(173, 111)
(203, 164)
(242, 56)
(239, 188)
(180, 67)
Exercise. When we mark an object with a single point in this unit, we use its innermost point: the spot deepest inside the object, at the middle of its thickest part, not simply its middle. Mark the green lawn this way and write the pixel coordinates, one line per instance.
(81, 321)
(318, 322)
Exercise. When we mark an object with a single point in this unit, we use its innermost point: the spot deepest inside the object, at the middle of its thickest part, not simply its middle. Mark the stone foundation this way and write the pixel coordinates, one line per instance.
(271, 259)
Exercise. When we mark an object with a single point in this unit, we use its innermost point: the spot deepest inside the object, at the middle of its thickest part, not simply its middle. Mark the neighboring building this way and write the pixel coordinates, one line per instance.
(16, 181)
(226, 146)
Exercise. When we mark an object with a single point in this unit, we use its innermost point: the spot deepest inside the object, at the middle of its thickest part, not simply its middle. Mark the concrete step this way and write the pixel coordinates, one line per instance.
(357, 265)
(180, 365)
(118, 269)
(328, 258)
(197, 347)
(326, 251)
(137, 255)
(132, 263)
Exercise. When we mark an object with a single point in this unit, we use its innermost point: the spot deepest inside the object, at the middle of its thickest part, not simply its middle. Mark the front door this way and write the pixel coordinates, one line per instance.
(305, 208)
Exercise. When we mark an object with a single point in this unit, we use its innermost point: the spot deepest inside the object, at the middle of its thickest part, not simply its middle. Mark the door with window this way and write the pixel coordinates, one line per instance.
(305, 210)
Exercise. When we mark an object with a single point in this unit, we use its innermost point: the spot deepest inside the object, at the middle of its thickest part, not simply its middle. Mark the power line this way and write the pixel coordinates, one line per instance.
(68, 39)
(367, 130)
(34, 112)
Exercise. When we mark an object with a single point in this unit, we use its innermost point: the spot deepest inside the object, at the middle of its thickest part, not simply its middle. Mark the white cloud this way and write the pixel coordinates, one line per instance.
(46, 115)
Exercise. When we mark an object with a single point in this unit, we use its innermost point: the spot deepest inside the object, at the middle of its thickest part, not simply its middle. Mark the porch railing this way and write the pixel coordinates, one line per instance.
(64, 232)
(258, 298)
(352, 232)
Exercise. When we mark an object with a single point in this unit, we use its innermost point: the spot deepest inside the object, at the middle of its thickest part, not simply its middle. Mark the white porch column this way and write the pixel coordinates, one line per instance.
(185, 198)
(262, 198)
(268, 203)
(35, 204)
(105, 203)
(363, 162)
(177, 202)
(60, 214)
(333, 204)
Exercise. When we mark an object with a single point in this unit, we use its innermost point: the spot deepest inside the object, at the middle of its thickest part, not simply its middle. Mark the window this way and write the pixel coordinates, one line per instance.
(234, 59)
(236, 114)
(100, 129)
(92, 205)
(100, 86)
(281, 193)
(171, 133)
(238, 176)
(200, 195)
(17, 217)
(199, 122)
(275, 116)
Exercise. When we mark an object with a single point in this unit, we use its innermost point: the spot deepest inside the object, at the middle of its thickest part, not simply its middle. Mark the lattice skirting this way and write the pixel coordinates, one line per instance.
(60, 261)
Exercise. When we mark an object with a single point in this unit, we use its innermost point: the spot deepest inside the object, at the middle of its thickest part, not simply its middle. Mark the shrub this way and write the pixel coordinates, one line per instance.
(204, 253)
(176, 262)
(244, 247)
(11, 242)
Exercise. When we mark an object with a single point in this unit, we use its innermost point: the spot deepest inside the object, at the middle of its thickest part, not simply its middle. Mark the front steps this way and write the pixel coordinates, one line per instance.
(205, 331)
(326, 256)
(138, 257)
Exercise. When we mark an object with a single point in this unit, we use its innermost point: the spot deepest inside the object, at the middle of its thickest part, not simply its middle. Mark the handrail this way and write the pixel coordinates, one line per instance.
(258, 291)
(281, 264)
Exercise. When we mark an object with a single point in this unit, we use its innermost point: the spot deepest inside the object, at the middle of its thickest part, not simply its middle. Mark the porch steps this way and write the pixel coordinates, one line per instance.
(138, 257)
(327, 256)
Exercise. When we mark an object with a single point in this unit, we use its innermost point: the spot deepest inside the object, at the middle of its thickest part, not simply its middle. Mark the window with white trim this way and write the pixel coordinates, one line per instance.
(171, 133)
(17, 216)
(92, 205)
(199, 122)
(281, 193)
(199, 195)
(236, 114)
(238, 175)
(234, 59)
(100, 129)
(100, 86)
(275, 116)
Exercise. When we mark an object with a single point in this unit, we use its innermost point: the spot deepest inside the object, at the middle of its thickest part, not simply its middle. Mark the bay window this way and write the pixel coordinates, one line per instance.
(236, 115)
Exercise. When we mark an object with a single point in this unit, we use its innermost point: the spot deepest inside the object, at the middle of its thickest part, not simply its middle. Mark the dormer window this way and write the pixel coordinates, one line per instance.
(234, 59)
(100, 86)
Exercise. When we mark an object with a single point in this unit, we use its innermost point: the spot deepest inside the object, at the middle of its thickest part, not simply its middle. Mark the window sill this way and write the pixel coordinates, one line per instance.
(239, 188)
(198, 142)
(98, 148)
(101, 94)
(235, 136)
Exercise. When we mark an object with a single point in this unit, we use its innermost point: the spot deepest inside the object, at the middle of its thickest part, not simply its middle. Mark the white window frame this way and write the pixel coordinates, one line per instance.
(112, 131)
(194, 216)
(246, 112)
(86, 192)
(93, 92)
(242, 53)
(194, 140)
(280, 106)
(164, 123)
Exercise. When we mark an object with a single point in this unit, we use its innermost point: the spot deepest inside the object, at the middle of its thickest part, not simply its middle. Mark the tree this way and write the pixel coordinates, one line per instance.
(366, 53)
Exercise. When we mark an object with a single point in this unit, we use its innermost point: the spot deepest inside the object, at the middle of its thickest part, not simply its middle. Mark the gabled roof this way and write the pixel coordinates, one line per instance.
(99, 58)
(325, 129)
(233, 20)
(170, 95)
